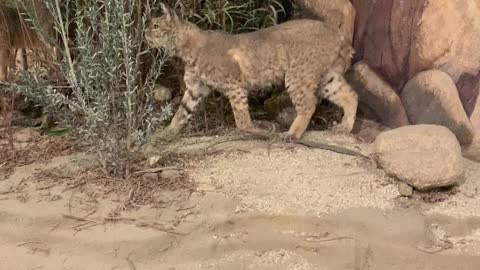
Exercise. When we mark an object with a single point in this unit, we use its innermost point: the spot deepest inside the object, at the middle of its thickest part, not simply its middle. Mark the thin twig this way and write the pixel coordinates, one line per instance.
(91, 213)
(156, 170)
(185, 208)
(158, 227)
(333, 148)
(78, 218)
(74, 186)
(167, 248)
(274, 138)
(115, 219)
(45, 187)
(28, 242)
(436, 249)
(55, 226)
(85, 226)
(330, 239)
(130, 263)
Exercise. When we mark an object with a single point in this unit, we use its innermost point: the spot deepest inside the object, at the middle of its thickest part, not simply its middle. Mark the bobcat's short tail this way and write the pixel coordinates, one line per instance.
(344, 57)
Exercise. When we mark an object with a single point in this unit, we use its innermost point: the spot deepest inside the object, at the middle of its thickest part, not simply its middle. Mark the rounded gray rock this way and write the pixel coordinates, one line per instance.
(423, 156)
(431, 97)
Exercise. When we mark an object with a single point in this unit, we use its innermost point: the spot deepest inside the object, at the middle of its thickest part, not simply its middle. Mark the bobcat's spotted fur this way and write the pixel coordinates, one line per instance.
(309, 56)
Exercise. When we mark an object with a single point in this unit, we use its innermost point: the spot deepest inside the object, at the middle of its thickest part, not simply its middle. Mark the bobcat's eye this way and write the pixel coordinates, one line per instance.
(156, 26)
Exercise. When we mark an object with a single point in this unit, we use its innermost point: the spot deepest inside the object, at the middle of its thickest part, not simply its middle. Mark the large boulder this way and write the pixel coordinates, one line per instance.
(400, 38)
(475, 120)
(378, 95)
(432, 98)
(423, 156)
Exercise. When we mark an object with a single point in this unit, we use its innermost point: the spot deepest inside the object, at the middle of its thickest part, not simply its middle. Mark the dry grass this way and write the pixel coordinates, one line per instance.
(14, 154)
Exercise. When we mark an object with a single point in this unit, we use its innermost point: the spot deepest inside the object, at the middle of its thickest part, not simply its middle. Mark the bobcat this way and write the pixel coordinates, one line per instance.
(309, 56)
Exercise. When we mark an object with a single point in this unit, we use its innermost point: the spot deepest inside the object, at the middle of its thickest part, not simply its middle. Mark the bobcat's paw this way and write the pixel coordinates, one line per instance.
(287, 137)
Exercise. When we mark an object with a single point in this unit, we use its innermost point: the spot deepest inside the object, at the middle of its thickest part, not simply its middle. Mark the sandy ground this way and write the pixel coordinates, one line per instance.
(266, 208)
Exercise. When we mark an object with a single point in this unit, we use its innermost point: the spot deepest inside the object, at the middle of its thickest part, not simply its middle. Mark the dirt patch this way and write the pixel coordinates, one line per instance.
(17, 152)
(56, 167)
(465, 202)
(297, 181)
(259, 207)
(141, 189)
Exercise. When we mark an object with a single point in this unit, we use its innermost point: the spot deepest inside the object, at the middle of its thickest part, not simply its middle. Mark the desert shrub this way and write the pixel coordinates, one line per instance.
(110, 72)
(107, 101)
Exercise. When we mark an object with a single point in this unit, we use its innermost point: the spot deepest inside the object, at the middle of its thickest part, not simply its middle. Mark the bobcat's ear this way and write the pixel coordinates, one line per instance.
(170, 13)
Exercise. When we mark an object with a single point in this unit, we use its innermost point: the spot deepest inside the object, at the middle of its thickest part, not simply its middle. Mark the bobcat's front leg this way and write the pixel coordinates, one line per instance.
(239, 101)
(195, 92)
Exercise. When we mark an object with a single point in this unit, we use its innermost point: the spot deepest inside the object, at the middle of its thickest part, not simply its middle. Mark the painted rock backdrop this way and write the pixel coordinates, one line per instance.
(398, 39)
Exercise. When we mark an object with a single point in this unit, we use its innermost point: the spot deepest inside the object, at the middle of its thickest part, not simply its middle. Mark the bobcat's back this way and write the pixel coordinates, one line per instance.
(264, 57)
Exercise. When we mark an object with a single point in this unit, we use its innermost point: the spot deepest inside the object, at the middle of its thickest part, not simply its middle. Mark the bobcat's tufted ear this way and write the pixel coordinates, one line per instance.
(170, 13)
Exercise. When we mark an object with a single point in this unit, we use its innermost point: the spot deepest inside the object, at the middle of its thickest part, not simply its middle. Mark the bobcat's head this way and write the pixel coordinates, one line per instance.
(162, 30)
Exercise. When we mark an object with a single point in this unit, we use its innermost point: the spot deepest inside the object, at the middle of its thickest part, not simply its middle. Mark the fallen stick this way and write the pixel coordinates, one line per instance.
(131, 264)
(156, 170)
(311, 144)
(78, 218)
(332, 148)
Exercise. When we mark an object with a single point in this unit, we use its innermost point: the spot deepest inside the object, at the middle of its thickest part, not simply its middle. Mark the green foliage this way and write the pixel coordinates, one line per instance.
(108, 98)
(233, 16)
(111, 93)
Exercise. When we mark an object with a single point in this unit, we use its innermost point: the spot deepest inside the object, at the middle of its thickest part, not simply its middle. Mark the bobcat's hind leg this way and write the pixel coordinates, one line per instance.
(337, 90)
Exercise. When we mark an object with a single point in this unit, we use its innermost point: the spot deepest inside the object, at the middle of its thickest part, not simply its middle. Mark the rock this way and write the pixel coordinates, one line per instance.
(153, 159)
(286, 116)
(423, 156)
(475, 120)
(161, 138)
(150, 177)
(171, 174)
(339, 13)
(405, 189)
(26, 135)
(399, 38)
(367, 130)
(432, 98)
(378, 95)
(162, 93)
(472, 152)
(280, 108)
